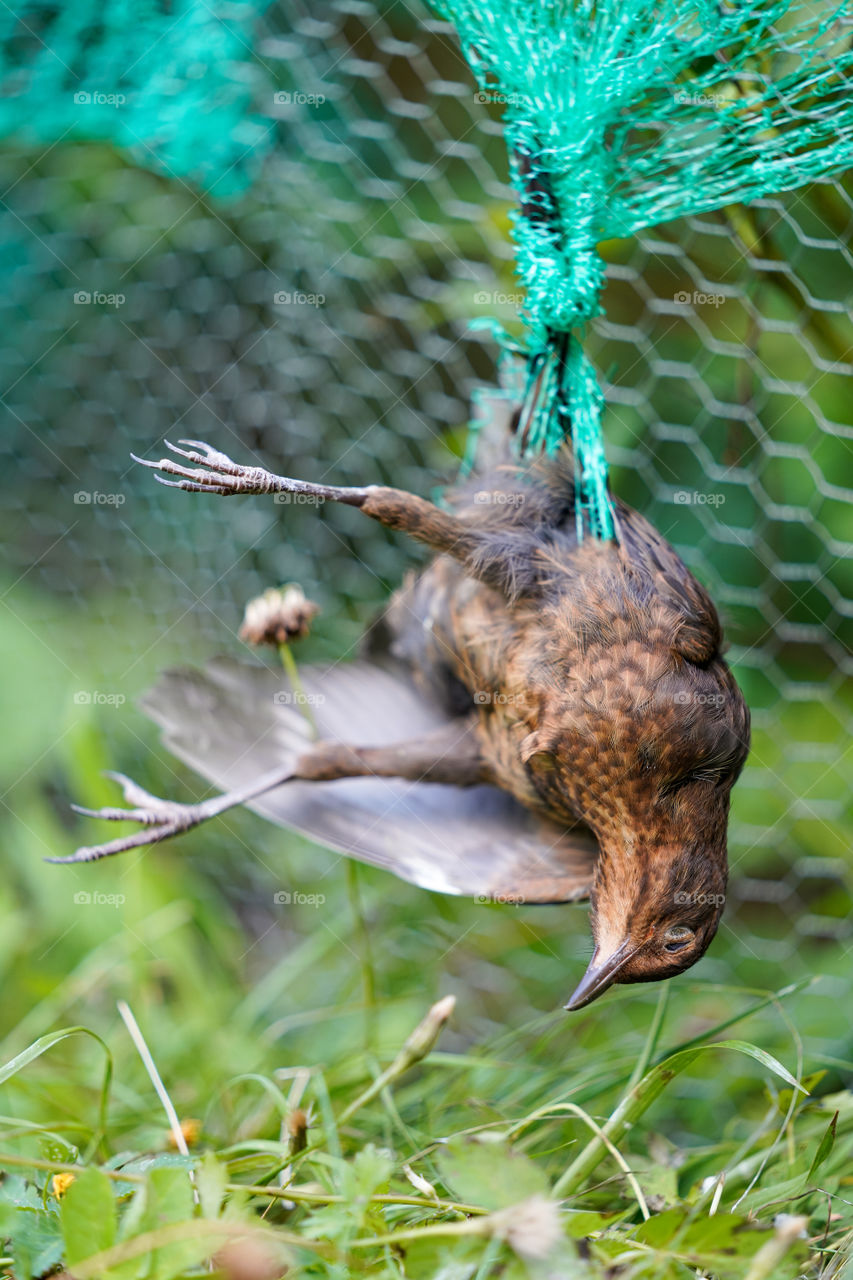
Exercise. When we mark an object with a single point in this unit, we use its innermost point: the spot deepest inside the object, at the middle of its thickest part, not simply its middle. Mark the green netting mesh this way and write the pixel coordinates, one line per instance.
(621, 114)
(318, 319)
(169, 81)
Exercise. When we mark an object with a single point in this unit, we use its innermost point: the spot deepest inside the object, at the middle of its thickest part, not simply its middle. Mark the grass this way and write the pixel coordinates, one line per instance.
(697, 1129)
(521, 1155)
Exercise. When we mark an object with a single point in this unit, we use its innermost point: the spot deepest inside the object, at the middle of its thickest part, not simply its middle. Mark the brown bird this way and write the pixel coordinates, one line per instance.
(536, 718)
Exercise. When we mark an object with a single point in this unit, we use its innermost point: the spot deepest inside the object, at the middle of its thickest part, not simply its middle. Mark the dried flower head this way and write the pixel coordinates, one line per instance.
(280, 615)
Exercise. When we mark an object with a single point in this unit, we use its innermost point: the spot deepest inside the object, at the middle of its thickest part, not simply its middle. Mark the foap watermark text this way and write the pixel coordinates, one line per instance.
(693, 498)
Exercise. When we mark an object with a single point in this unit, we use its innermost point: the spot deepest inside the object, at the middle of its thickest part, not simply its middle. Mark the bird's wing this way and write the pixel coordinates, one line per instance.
(233, 722)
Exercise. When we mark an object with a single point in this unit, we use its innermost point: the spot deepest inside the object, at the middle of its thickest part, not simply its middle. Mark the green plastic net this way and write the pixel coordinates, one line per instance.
(621, 114)
(168, 81)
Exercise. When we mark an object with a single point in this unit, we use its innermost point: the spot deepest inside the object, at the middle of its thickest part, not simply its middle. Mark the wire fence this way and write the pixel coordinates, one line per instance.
(312, 310)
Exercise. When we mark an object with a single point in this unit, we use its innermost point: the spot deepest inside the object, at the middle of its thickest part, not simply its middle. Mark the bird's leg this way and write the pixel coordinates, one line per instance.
(392, 507)
(450, 755)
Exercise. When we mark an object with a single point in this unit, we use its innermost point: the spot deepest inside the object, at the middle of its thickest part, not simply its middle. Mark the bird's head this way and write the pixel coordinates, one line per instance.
(644, 748)
(655, 922)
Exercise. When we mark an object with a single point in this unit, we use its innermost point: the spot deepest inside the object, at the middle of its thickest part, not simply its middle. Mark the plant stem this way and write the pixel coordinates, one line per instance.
(289, 663)
(642, 1064)
(365, 956)
(471, 1227)
(417, 1046)
(273, 1193)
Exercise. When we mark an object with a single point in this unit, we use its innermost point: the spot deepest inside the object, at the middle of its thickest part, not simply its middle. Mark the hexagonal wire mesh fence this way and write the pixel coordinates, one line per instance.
(316, 316)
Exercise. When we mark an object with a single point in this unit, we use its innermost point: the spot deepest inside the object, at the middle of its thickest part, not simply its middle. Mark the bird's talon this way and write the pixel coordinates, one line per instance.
(188, 473)
(108, 814)
(148, 810)
(138, 840)
(189, 486)
(223, 474)
(206, 456)
(195, 480)
(131, 790)
(146, 462)
(209, 457)
(204, 446)
(186, 453)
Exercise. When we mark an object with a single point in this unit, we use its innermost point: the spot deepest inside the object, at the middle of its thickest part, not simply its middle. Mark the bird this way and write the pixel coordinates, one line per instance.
(536, 716)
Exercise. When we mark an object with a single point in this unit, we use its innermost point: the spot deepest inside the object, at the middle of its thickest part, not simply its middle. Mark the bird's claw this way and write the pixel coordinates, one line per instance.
(207, 456)
(160, 819)
(135, 794)
(147, 809)
(215, 472)
(224, 476)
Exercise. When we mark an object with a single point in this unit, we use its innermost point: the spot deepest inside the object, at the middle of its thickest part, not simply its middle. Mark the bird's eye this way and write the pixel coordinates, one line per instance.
(677, 938)
(542, 762)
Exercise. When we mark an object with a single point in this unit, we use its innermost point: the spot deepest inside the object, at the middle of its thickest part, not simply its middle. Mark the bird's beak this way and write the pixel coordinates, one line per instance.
(601, 974)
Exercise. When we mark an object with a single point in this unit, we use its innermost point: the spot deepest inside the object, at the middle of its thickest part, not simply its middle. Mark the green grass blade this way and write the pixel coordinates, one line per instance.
(638, 1099)
(40, 1046)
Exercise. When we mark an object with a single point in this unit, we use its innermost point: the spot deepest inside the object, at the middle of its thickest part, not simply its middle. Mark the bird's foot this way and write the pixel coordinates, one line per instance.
(162, 819)
(224, 476)
(159, 819)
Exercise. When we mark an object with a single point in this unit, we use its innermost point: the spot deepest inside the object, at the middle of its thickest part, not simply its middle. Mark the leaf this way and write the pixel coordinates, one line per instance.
(760, 1055)
(660, 1228)
(809, 1082)
(721, 1244)
(269, 1087)
(445, 1259)
(211, 1180)
(131, 1220)
(825, 1145)
(724, 1234)
(162, 1160)
(359, 1178)
(88, 1215)
(490, 1174)
(161, 1209)
(778, 1196)
(18, 1191)
(656, 1178)
(371, 1168)
(585, 1222)
(129, 1163)
(40, 1046)
(332, 1222)
(146, 1255)
(169, 1199)
(36, 1242)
